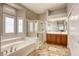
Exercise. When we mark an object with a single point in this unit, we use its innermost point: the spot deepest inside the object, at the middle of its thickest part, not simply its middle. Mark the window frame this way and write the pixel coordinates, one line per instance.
(18, 25)
(29, 28)
(36, 26)
(11, 16)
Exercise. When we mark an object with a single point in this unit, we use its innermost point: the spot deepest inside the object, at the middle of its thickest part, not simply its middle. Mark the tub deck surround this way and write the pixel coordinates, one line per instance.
(51, 50)
(17, 47)
(12, 48)
(11, 41)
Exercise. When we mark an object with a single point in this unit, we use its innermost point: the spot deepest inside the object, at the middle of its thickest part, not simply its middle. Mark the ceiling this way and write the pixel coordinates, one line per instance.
(42, 7)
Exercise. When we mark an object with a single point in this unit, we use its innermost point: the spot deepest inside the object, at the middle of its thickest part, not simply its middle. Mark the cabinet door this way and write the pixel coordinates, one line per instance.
(58, 38)
(64, 40)
(48, 38)
(53, 38)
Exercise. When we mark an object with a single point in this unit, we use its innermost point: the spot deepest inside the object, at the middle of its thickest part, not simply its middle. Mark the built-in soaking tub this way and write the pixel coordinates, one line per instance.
(20, 48)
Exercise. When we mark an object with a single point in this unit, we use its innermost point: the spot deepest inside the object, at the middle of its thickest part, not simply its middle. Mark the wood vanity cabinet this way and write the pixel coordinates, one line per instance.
(51, 38)
(60, 39)
(64, 39)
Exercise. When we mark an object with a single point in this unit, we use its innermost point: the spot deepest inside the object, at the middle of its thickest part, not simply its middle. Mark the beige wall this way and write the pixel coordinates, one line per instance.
(57, 13)
(1, 19)
(73, 28)
(0, 25)
(0, 31)
(31, 15)
(43, 16)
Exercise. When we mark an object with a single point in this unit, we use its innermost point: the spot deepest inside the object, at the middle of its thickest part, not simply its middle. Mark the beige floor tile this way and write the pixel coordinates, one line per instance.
(51, 50)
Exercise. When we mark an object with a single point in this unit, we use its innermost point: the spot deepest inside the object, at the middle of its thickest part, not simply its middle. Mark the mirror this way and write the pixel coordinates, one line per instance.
(56, 26)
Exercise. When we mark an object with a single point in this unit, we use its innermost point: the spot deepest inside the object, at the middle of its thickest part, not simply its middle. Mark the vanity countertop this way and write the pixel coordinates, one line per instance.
(56, 32)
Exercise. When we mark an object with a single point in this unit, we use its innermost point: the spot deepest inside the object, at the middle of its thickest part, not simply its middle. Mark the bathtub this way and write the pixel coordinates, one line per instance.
(22, 48)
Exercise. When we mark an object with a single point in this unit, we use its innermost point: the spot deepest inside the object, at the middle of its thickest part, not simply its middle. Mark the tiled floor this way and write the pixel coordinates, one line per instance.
(51, 50)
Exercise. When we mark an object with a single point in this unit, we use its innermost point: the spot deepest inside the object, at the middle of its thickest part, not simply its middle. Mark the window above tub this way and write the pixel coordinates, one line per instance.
(9, 24)
(20, 25)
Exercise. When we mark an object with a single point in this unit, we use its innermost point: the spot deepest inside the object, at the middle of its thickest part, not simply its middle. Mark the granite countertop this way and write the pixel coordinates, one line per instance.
(56, 32)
